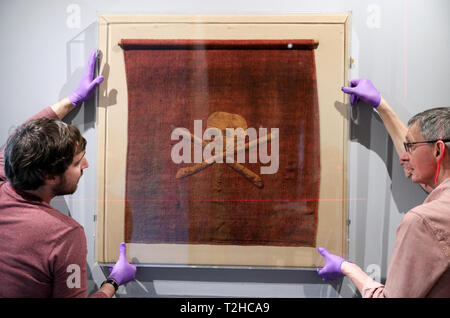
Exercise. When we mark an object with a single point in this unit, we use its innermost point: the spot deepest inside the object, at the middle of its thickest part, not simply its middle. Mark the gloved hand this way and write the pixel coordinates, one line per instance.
(88, 83)
(363, 89)
(123, 272)
(332, 269)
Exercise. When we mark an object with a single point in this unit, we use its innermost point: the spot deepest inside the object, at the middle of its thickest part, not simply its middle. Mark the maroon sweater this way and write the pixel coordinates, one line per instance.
(42, 251)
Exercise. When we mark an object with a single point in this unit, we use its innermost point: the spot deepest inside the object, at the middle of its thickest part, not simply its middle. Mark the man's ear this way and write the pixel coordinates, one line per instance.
(439, 150)
(49, 179)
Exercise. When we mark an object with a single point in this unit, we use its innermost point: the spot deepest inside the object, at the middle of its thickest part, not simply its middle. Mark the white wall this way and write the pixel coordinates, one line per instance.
(402, 46)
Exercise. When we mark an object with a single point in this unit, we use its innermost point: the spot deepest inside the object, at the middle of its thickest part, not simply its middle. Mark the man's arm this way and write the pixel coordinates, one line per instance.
(62, 108)
(365, 284)
(106, 291)
(337, 266)
(395, 127)
(417, 263)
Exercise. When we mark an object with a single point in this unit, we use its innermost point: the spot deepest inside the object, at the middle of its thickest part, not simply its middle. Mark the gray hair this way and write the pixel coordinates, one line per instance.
(434, 123)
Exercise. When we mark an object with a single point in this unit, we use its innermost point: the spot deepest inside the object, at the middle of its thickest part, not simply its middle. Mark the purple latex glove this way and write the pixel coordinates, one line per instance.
(332, 269)
(123, 272)
(88, 83)
(363, 89)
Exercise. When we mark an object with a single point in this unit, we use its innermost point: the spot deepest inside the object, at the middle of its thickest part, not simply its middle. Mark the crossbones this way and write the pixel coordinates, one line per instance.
(245, 172)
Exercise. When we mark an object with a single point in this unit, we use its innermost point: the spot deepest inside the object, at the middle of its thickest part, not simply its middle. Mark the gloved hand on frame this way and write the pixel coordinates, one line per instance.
(123, 272)
(362, 89)
(88, 83)
(332, 268)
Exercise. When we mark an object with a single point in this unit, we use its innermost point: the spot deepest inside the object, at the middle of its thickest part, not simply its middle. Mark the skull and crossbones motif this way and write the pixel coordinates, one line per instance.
(222, 121)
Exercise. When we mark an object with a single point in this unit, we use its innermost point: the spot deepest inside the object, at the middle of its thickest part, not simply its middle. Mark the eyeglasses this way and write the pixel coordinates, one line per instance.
(408, 145)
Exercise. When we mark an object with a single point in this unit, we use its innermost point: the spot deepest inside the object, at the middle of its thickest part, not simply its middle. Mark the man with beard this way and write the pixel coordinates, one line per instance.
(42, 251)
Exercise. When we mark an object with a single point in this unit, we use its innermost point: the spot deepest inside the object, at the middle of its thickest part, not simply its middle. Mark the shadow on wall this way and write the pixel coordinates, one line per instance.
(77, 53)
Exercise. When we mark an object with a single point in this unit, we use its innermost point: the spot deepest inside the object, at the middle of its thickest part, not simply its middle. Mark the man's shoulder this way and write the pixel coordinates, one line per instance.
(35, 215)
(49, 216)
(436, 210)
(431, 217)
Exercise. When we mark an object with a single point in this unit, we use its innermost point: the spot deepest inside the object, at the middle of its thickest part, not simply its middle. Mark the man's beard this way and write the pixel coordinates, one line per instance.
(64, 188)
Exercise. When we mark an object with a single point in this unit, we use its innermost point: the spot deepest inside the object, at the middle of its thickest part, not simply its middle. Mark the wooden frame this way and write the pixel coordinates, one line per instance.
(332, 64)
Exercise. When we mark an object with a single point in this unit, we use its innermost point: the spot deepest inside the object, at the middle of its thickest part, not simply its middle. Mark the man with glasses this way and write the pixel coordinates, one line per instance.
(420, 262)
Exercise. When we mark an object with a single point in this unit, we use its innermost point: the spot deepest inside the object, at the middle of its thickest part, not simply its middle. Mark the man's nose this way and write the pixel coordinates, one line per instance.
(85, 164)
(404, 156)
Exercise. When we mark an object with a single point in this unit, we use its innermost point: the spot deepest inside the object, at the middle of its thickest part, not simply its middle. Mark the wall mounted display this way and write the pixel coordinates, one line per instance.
(222, 140)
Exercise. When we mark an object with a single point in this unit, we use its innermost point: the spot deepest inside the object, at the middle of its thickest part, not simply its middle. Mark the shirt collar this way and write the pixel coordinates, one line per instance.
(21, 195)
(437, 192)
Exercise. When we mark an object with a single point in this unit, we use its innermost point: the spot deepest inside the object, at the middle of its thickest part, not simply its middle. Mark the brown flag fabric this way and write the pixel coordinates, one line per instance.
(225, 84)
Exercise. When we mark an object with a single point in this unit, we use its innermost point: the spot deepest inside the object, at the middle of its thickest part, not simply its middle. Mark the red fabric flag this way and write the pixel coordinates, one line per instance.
(247, 83)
